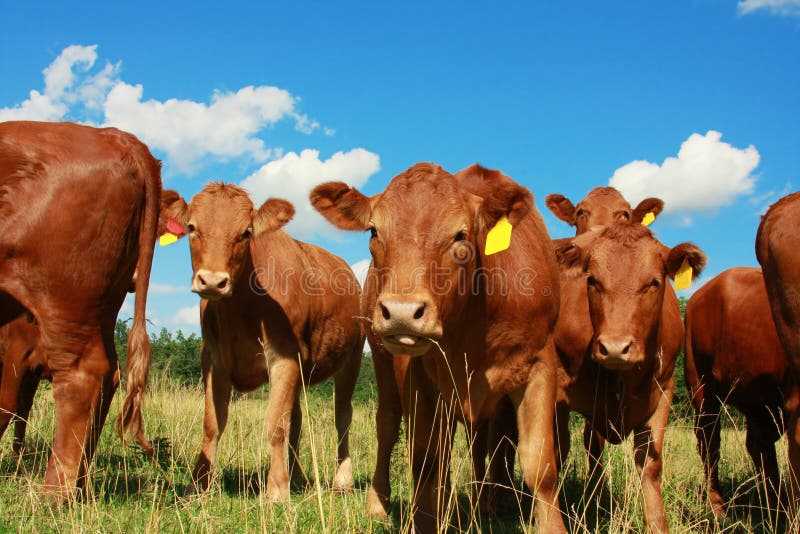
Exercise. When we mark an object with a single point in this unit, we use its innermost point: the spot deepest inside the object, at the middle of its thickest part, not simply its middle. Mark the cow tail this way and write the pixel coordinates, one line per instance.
(139, 352)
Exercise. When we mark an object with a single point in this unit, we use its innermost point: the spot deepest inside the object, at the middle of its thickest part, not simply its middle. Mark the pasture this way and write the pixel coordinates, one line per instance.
(128, 493)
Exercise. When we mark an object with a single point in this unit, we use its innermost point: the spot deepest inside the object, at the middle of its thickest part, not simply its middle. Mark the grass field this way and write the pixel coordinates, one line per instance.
(129, 494)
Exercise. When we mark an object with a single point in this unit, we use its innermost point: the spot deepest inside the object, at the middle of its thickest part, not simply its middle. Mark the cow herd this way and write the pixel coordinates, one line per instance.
(474, 315)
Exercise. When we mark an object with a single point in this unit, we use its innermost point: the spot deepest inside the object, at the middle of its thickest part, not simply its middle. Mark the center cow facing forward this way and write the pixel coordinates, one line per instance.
(465, 329)
(274, 309)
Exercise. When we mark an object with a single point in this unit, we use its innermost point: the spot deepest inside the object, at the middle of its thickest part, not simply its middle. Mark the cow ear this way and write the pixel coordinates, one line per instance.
(272, 215)
(344, 206)
(648, 205)
(561, 208)
(506, 199)
(690, 252)
(173, 214)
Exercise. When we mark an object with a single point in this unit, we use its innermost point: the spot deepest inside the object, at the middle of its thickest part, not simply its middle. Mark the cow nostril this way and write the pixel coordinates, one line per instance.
(202, 281)
(420, 312)
(626, 349)
(223, 284)
(603, 349)
(385, 313)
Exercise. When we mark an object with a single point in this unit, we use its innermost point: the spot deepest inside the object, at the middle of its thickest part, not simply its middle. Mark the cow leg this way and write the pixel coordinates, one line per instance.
(344, 386)
(707, 430)
(11, 379)
(296, 474)
(284, 377)
(562, 436)
(537, 453)
(760, 441)
(27, 392)
(594, 444)
(387, 422)
(502, 453)
(431, 427)
(218, 389)
(82, 395)
(648, 442)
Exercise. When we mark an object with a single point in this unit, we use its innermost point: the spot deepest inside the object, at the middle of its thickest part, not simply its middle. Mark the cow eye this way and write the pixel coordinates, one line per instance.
(626, 215)
(592, 282)
(579, 213)
(460, 236)
(655, 284)
(247, 233)
(373, 232)
(190, 228)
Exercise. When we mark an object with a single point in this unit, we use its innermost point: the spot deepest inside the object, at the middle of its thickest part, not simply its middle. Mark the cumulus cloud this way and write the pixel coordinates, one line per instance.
(293, 176)
(190, 315)
(786, 8)
(187, 131)
(706, 175)
(166, 289)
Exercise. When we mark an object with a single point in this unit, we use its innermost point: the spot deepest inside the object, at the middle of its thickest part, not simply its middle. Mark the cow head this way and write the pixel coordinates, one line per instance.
(626, 272)
(221, 222)
(425, 233)
(603, 206)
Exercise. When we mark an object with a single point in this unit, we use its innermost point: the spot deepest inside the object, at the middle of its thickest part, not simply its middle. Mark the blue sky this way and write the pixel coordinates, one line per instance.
(697, 102)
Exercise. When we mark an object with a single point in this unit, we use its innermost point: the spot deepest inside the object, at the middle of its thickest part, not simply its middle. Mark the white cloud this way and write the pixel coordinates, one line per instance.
(706, 174)
(789, 8)
(190, 315)
(188, 131)
(294, 176)
(360, 269)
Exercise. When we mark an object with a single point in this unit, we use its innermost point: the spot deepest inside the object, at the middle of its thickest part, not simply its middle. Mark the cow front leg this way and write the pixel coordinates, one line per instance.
(218, 389)
(284, 376)
(344, 386)
(296, 474)
(388, 416)
(27, 392)
(648, 442)
(537, 450)
(707, 430)
(760, 441)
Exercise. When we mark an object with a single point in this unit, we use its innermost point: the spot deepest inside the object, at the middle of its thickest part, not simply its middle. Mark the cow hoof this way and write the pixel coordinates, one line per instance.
(343, 479)
(719, 509)
(377, 506)
(277, 494)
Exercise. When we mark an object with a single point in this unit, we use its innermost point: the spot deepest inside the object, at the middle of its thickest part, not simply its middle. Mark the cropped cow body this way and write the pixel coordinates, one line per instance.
(455, 331)
(777, 246)
(273, 309)
(78, 215)
(734, 357)
(618, 337)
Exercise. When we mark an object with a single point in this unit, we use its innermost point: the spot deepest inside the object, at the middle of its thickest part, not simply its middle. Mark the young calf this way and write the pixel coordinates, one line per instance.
(734, 356)
(456, 331)
(610, 337)
(273, 309)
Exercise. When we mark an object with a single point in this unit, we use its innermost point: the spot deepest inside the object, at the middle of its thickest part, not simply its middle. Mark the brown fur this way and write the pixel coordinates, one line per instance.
(78, 215)
(269, 322)
(777, 245)
(623, 294)
(734, 357)
(486, 347)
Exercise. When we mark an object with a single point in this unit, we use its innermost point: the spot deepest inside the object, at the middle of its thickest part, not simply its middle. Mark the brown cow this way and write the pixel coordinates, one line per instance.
(603, 206)
(78, 214)
(777, 246)
(734, 356)
(21, 369)
(618, 318)
(465, 329)
(273, 309)
(25, 365)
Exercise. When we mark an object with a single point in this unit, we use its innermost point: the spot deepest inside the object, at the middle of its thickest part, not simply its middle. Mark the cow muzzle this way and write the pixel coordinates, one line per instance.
(617, 352)
(406, 325)
(212, 285)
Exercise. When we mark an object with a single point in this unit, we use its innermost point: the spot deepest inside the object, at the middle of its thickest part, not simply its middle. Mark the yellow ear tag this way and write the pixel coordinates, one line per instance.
(167, 239)
(499, 238)
(683, 278)
(649, 218)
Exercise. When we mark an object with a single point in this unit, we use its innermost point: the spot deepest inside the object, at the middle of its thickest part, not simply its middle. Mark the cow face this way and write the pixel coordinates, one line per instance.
(603, 206)
(221, 223)
(425, 232)
(626, 272)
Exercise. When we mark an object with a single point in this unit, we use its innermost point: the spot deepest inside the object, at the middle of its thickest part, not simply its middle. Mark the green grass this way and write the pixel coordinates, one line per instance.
(129, 494)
